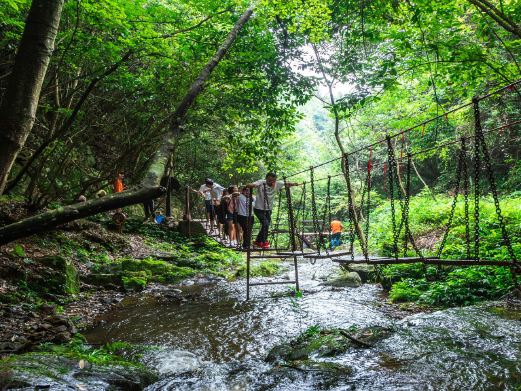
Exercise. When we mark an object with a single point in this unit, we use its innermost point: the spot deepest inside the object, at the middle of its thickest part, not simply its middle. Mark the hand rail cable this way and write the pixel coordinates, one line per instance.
(421, 124)
(492, 181)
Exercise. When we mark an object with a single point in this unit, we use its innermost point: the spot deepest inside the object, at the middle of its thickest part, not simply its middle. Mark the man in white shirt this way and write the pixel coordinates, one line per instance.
(266, 190)
(210, 191)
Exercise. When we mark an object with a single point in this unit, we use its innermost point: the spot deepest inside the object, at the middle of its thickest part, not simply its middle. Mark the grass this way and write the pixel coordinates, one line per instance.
(267, 268)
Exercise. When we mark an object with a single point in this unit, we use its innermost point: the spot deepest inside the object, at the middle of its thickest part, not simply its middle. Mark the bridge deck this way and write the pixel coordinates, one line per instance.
(428, 261)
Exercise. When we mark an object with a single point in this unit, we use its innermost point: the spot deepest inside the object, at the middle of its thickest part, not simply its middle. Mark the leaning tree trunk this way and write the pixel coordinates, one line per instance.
(20, 101)
(67, 124)
(49, 220)
(198, 86)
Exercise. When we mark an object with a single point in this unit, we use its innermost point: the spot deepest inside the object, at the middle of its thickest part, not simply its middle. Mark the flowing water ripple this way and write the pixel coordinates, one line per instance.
(218, 341)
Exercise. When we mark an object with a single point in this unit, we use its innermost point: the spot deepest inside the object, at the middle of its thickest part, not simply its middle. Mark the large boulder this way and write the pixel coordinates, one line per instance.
(47, 371)
(345, 280)
(57, 275)
(191, 228)
(365, 271)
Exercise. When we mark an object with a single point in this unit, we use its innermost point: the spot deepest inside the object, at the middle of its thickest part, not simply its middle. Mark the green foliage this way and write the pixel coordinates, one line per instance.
(311, 331)
(457, 287)
(18, 251)
(118, 353)
(428, 219)
(405, 290)
(263, 269)
(134, 283)
(448, 286)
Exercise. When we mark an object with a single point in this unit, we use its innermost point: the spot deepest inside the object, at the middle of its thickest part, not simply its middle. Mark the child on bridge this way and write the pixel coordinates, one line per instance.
(336, 233)
(245, 221)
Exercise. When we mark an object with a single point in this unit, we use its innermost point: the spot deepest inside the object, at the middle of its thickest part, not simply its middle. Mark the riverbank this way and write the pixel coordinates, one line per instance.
(59, 282)
(153, 287)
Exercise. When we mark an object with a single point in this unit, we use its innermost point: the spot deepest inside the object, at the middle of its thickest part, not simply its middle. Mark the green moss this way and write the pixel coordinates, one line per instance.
(264, 269)
(134, 283)
(64, 279)
(317, 342)
(54, 361)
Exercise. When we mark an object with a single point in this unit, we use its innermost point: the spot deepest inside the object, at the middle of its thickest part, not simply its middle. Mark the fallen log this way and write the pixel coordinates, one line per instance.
(53, 218)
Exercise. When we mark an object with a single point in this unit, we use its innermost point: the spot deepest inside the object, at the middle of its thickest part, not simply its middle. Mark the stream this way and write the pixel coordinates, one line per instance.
(210, 338)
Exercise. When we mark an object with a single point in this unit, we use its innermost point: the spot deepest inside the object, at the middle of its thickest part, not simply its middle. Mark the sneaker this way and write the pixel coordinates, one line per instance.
(266, 244)
(258, 244)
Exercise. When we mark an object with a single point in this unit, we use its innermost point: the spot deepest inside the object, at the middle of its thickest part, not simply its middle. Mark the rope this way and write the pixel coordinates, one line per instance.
(405, 131)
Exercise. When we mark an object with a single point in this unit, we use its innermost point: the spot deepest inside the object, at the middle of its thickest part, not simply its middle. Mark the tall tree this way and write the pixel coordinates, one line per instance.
(20, 101)
(198, 85)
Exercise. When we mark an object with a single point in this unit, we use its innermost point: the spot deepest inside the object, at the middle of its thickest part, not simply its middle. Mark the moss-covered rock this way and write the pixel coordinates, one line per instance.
(191, 228)
(345, 280)
(75, 365)
(320, 343)
(61, 372)
(57, 276)
(366, 272)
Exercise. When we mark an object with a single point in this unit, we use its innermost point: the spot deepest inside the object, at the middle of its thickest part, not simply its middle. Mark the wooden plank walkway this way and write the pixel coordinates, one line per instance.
(428, 261)
(325, 255)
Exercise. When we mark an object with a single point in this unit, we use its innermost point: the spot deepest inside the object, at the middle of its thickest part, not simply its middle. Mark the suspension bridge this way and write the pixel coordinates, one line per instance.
(301, 226)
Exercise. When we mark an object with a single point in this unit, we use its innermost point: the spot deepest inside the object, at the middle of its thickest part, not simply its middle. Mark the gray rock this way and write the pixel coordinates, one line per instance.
(345, 280)
(366, 272)
(191, 228)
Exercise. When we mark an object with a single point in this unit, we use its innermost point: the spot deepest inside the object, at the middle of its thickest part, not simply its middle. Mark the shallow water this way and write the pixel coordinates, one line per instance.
(215, 340)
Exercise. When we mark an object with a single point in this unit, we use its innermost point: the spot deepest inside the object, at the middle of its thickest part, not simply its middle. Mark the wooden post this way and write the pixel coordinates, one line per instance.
(292, 232)
(248, 250)
(168, 201)
(186, 215)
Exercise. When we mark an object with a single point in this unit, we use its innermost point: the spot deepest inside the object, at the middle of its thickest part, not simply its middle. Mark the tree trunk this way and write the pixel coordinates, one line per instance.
(49, 220)
(68, 122)
(345, 170)
(498, 16)
(198, 85)
(19, 104)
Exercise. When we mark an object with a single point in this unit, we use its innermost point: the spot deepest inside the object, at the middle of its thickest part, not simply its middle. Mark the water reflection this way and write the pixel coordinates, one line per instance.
(217, 341)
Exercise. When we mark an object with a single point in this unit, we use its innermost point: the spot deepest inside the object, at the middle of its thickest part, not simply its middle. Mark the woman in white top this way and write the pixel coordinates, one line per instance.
(245, 221)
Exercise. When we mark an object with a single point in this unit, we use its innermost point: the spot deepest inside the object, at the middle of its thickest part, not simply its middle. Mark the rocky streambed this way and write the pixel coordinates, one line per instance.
(339, 335)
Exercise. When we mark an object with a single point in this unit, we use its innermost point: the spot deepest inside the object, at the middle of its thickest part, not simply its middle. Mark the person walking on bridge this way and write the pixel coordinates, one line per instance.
(336, 229)
(245, 221)
(266, 190)
(211, 192)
